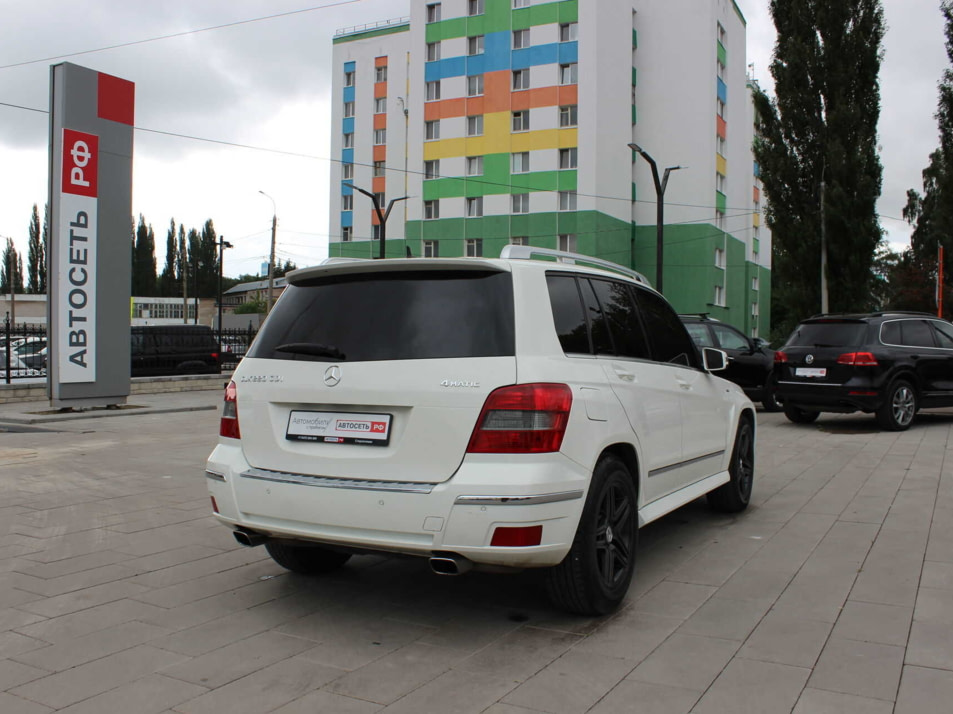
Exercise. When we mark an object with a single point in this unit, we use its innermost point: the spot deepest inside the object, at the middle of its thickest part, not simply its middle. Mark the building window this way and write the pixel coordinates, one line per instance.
(475, 45)
(431, 210)
(347, 202)
(433, 51)
(520, 39)
(349, 79)
(380, 105)
(431, 249)
(569, 32)
(349, 140)
(475, 125)
(378, 168)
(567, 242)
(721, 144)
(719, 258)
(568, 158)
(474, 7)
(754, 284)
(433, 12)
(521, 120)
(567, 200)
(431, 169)
(376, 232)
(474, 247)
(520, 3)
(432, 130)
(475, 207)
(474, 166)
(520, 203)
(346, 233)
(380, 73)
(569, 116)
(348, 110)
(433, 91)
(347, 171)
(719, 182)
(722, 35)
(380, 137)
(475, 85)
(521, 79)
(719, 296)
(721, 71)
(569, 73)
(519, 240)
(519, 162)
(755, 256)
(381, 199)
(720, 108)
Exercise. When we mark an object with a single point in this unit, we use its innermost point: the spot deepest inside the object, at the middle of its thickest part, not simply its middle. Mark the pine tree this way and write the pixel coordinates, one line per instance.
(822, 127)
(11, 269)
(45, 248)
(208, 261)
(144, 260)
(35, 254)
(167, 282)
(931, 214)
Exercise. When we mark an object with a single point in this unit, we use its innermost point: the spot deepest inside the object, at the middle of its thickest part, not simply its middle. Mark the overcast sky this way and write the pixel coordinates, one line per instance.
(266, 84)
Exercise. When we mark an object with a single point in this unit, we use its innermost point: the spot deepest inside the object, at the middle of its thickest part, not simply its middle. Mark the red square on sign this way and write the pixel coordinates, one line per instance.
(80, 163)
(116, 99)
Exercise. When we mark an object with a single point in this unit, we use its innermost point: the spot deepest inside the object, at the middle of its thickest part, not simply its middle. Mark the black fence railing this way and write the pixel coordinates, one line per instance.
(23, 350)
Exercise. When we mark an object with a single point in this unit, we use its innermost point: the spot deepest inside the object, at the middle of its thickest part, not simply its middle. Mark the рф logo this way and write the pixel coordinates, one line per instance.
(332, 375)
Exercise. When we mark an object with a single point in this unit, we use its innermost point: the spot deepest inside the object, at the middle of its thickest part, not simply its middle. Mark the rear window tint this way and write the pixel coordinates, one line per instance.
(393, 316)
(568, 316)
(828, 334)
(917, 333)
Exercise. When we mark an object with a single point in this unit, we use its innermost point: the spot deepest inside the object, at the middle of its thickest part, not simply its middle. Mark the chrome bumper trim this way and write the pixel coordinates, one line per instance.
(214, 475)
(517, 500)
(344, 483)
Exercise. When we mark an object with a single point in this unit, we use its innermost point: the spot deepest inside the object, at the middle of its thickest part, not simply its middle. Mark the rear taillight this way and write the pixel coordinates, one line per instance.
(857, 359)
(215, 356)
(522, 419)
(780, 357)
(229, 425)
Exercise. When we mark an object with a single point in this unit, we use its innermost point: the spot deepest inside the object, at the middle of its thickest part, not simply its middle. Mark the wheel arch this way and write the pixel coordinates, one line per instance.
(626, 453)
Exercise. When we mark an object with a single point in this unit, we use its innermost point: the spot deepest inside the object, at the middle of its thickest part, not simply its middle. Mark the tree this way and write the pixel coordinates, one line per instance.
(36, 255)
(282, 269)
(931, 214)
(167, 281)
(144, 260)
(822, 127)
(207, 261)
(11, 269)
(45, 246)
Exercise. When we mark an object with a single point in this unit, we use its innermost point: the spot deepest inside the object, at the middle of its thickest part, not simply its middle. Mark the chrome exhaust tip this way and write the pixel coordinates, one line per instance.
(450, 565)
(249, 539)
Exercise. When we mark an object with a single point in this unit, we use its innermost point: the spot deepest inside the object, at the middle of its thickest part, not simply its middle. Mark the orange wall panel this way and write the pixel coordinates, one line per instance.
(380, 89)
(380, 153)
(378, 183)
(380, 61)
(380, 121)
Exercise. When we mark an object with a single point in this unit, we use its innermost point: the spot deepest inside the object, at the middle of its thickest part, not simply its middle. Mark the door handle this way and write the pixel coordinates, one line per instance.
(623, 374)
(683, 384)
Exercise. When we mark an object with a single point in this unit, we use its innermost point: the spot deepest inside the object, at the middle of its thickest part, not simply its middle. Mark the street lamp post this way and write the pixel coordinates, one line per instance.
(381, 214)
(659, 210)
(222, 245)
(271, 257)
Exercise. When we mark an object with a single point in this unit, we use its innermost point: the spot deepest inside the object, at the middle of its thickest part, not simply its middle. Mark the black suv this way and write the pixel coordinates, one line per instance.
(750, 361)
(887, 363)
(173, 349)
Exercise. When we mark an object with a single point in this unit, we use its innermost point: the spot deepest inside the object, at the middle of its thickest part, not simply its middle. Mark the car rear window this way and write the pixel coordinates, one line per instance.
(828, 334)
(392, 316)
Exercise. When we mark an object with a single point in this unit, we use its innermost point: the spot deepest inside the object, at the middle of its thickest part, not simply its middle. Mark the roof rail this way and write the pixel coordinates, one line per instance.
(527, 252)
(339, 259)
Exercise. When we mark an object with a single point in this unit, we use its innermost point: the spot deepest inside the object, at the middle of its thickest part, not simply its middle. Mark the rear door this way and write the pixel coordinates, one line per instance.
(746, 367)
(376, 375)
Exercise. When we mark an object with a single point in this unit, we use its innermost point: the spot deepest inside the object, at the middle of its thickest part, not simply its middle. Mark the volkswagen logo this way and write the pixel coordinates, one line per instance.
(332, 375)
(807, 360)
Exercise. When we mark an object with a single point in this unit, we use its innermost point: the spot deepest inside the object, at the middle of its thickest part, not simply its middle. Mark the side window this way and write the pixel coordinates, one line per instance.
(890, 333)
(944, 334)
(699, 334)
(667, 336)
(568, 316)
(601, 337)
(917, 333)
(729, 339)
(623, 320)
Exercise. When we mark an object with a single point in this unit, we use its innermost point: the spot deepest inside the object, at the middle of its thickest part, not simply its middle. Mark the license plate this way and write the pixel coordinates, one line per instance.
(810, 372)
(339, 428)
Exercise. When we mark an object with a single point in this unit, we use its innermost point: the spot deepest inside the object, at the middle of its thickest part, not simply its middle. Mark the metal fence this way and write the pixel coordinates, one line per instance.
(23, 350)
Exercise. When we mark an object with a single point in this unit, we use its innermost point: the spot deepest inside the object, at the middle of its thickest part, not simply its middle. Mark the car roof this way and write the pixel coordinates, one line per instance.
(855, 316)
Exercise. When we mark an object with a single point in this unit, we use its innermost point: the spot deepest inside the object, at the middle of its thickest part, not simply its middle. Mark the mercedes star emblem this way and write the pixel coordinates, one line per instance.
(332, 375)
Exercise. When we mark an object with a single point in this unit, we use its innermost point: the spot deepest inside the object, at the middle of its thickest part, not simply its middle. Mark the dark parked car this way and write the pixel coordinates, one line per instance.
(174, 349)
(750, 361)
(890, 364)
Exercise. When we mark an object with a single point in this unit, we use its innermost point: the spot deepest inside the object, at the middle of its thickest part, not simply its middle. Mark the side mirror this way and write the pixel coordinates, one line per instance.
(714, 360)
(760, 343)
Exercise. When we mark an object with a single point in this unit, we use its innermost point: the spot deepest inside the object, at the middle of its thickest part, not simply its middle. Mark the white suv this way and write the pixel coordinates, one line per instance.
(507, 413)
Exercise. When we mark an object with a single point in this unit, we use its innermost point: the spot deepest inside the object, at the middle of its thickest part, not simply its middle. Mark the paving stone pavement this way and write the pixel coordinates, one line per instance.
(833, 593)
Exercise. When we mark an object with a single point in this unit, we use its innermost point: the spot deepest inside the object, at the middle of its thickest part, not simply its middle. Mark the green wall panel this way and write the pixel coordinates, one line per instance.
(500, 17)
(497, 179)
(371, 33)
(722, 54)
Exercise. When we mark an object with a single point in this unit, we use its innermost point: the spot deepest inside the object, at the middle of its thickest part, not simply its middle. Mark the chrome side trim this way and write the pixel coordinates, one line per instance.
(812, 384)
(517, 500)
(344, 483)
(214, 475)
(681, 464)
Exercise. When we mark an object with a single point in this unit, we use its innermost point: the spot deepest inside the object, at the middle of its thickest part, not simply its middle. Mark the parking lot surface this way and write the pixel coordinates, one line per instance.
(120, 593)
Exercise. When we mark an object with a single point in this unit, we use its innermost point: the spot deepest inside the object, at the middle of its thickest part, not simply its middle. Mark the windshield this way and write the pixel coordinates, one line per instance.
(392, 316)
(828, 334)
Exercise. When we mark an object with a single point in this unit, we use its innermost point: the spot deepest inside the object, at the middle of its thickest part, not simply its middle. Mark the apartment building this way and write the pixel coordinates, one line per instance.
(509, 121)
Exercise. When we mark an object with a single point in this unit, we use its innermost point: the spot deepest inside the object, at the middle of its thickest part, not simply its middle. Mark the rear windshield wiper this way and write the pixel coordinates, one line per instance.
(314, 349)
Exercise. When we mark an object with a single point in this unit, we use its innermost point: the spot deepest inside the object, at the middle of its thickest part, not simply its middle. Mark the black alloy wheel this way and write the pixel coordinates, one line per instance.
(735, 495)
(800, 416)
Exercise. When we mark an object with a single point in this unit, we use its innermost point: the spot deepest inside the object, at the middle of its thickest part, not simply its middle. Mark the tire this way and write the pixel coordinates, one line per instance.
(306, 559)
(595, 575)
(800, 416)
(734, 496)
(899, 408)
(770, 400)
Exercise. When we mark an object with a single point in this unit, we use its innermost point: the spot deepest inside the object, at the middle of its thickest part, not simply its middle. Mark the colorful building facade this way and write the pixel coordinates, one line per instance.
(508, 121)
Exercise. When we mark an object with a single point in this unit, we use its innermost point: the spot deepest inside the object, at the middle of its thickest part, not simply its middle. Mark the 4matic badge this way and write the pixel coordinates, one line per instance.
(459, 383)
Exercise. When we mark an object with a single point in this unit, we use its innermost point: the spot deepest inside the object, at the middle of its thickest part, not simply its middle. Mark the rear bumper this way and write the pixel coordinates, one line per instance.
(459, 515)
(843, 398)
